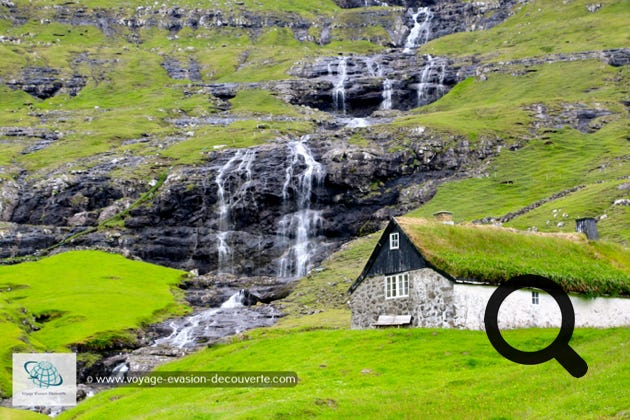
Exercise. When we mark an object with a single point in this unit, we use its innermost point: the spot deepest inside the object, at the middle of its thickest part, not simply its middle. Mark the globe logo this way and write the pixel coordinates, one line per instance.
(43, 374)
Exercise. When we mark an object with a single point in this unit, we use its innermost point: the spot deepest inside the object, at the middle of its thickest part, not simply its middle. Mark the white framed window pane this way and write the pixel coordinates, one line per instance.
(405, 285)
(535, 298)
(394, 241)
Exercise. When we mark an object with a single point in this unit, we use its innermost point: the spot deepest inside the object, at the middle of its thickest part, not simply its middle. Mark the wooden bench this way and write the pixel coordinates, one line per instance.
(392, 321)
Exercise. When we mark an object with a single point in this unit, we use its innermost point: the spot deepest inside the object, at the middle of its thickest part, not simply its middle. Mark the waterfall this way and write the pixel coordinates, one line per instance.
(185, 335)
(235, 301)
(119, 370)
(374, 69)
(421, 30)
(239, 168)
(339, 79)
(298, 228)
(387, 94)
(299, 223)
(431, 86)
(210, 324)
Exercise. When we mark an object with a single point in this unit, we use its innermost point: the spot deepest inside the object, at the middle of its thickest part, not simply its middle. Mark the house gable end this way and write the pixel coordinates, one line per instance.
(384, 260)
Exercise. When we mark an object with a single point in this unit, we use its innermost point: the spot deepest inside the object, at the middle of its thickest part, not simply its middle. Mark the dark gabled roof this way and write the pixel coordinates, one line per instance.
(492, 255)
(383, 243)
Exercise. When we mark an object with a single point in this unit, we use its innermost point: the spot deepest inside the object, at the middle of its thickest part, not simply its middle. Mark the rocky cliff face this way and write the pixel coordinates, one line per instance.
(398, 22)
(180, 226)
(275, 209)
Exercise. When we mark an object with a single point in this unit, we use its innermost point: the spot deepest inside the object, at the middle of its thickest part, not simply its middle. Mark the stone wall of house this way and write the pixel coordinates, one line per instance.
(436, 302)
(368, 302)
(430, 301)
(433, 297)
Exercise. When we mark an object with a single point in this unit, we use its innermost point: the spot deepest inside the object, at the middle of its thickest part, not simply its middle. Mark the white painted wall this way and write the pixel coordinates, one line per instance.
(517, 310)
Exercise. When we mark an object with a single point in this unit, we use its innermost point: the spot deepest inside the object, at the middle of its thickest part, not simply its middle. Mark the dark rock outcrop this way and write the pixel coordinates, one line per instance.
(176, 70)
(179, 227)
(414, 80)
(45, 82)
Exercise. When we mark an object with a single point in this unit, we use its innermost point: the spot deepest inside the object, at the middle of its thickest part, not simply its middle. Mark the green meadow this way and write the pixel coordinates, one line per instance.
(89, 299)
(393, 373)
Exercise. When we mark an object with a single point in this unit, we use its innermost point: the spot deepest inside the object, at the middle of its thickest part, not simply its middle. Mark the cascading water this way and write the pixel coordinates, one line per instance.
(339, 76)
(119, 370)
(374, 69)
(186, 333)
(387, 94)
(240, 167)
(235, 301)
(431, 86)
(421, 30)
(297, 229)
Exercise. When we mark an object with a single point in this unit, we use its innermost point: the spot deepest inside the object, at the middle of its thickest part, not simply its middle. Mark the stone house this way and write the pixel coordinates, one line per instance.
(410, 279)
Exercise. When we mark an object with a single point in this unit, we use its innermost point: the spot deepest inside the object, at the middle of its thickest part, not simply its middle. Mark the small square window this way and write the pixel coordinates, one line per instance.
(394, 241)
(535, 298)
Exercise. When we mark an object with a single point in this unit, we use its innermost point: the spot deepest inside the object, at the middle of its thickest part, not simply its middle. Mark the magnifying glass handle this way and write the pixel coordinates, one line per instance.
(571, 361)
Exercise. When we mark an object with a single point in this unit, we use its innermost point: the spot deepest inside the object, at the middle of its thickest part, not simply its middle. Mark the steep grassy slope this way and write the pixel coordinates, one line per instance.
(129, 103)
(13, 414)
(129, 95)
(84, 297)
(553, 156)
(543, 27)
(387, 374)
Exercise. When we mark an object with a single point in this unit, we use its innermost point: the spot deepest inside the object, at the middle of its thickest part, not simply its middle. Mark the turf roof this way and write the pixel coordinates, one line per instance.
(493, 255)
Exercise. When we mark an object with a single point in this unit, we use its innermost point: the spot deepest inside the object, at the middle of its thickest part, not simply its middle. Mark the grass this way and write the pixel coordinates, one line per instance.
(539, 170)
(550, 160)
(319, 299)
(401, 373)
(255, 102)
(129, 94)
(594, 200)
(498, 105)
(304, 8)
(495, 255)
(89, 298)
(542, 27)
(12, 414)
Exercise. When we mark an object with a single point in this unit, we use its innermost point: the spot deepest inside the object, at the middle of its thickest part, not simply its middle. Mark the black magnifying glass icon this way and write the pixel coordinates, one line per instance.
(559, 349)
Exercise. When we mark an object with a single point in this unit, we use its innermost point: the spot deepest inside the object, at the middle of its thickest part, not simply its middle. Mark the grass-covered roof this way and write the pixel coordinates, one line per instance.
(494, 255)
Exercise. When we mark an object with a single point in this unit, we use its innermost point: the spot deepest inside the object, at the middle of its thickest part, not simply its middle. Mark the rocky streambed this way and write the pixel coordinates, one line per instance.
(220, 310)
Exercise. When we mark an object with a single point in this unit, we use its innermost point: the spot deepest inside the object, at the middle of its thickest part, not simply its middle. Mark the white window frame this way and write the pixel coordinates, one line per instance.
(535, 297)
(394, 240)
(397, 286)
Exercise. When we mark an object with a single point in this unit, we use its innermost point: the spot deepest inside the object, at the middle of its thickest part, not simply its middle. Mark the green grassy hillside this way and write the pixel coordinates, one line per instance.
(408, 373)
(503, 105)
(543, 27)
(83, 297)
